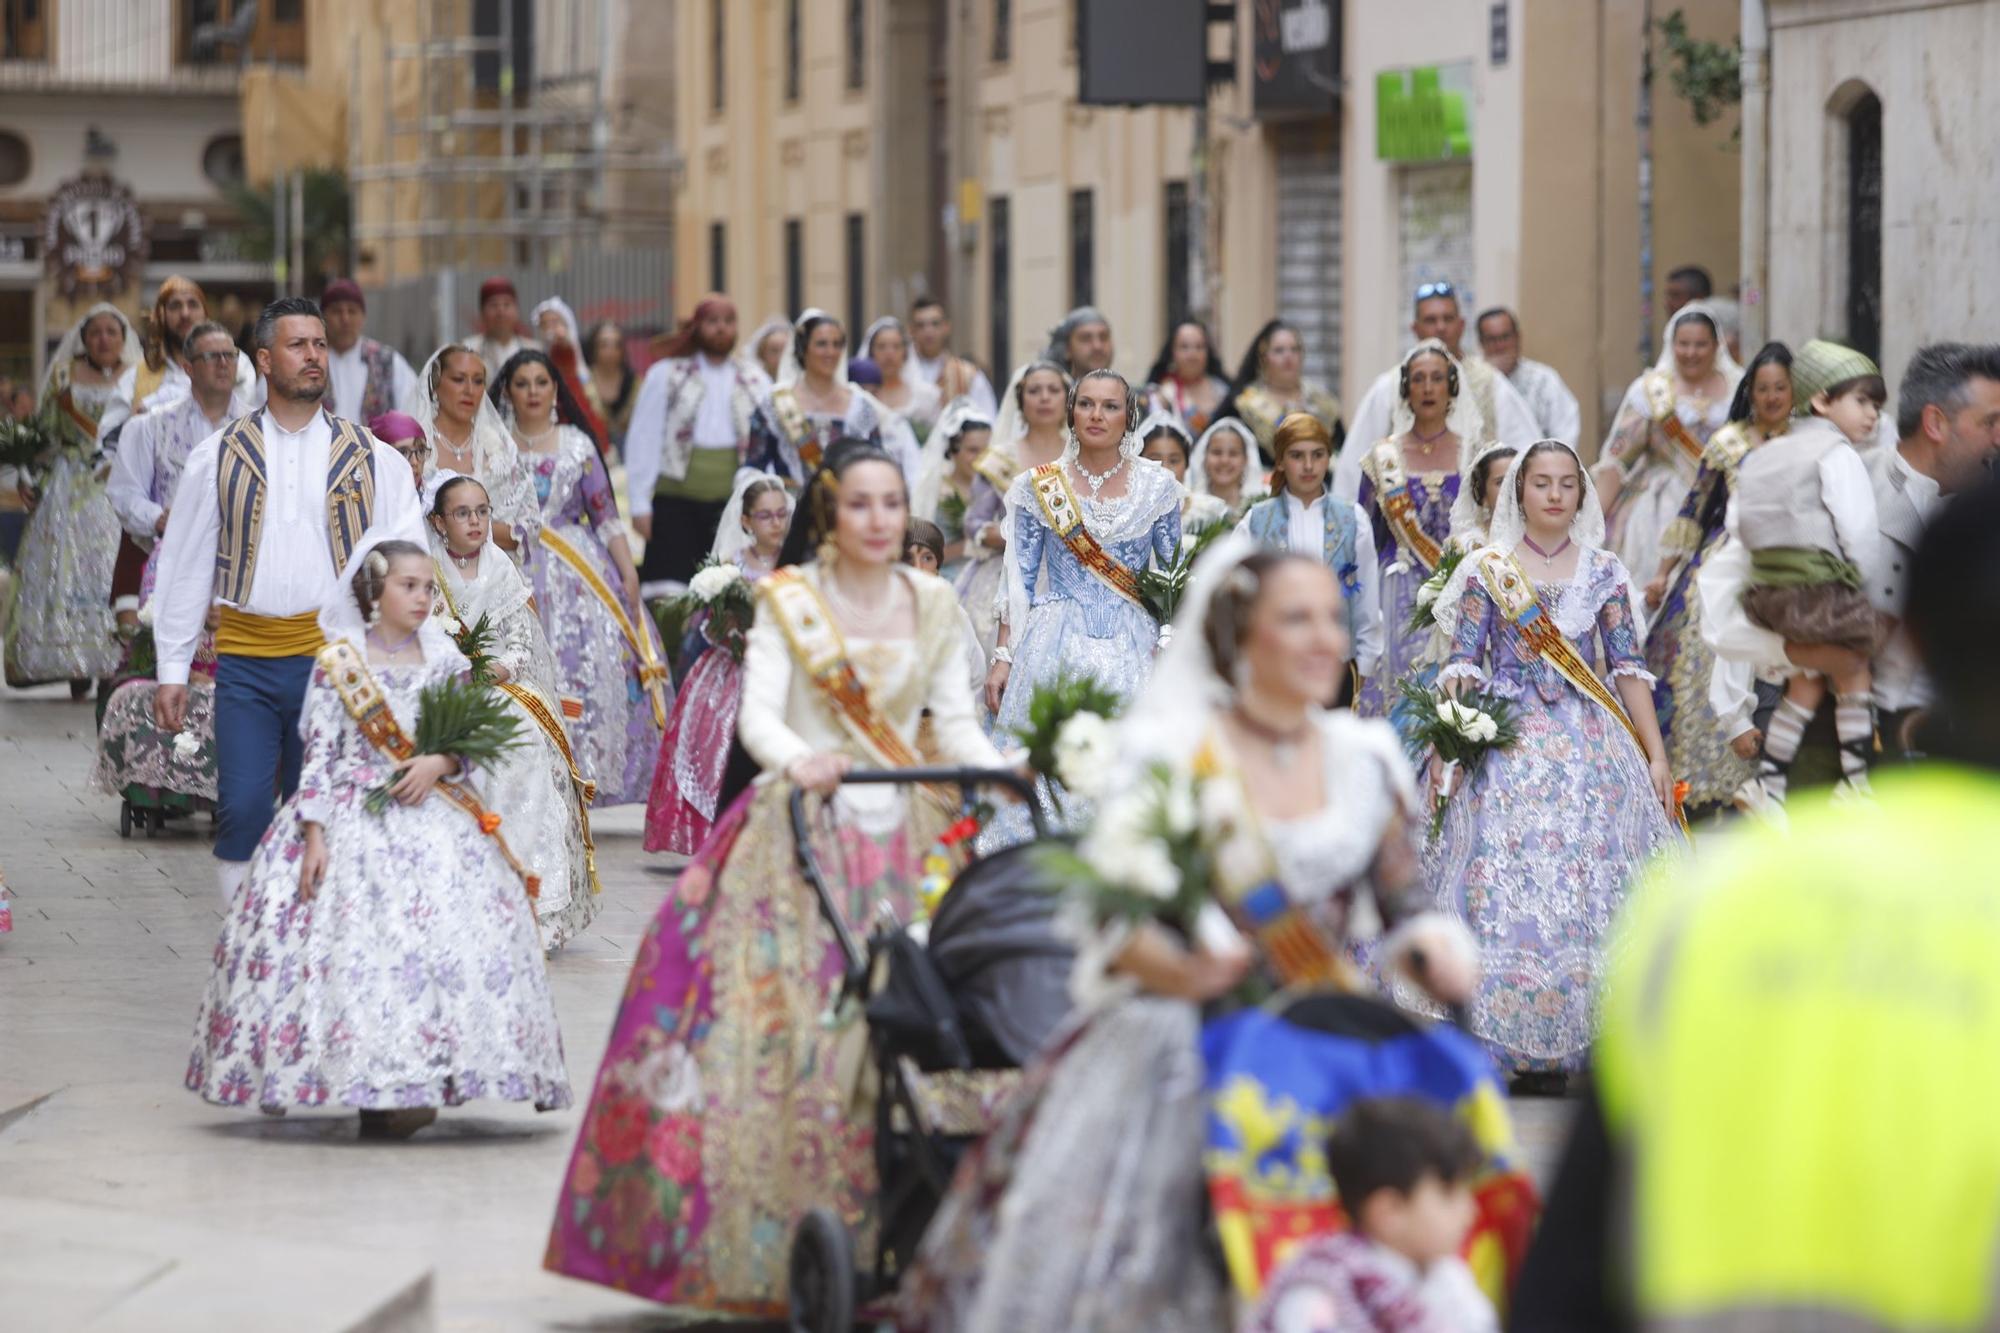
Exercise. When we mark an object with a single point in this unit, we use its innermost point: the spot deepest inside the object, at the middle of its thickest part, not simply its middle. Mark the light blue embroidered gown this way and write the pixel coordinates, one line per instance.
(1065, 620)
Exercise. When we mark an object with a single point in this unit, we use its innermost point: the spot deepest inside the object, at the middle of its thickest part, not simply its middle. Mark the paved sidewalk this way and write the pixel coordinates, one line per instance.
(98, 988)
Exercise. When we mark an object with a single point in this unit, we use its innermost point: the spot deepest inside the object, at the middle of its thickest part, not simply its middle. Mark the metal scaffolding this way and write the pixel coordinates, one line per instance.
(510, 166)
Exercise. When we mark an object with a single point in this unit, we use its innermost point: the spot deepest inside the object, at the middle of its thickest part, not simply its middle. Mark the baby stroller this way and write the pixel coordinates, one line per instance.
(954, 1008)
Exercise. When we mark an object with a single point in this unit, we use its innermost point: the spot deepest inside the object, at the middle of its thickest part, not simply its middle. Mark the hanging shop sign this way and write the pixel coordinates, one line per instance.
(94, 238)
(1295, 56)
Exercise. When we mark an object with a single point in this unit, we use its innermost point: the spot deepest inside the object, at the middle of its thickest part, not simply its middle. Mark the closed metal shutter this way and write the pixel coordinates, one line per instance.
(1434, 223)
(1309, 241)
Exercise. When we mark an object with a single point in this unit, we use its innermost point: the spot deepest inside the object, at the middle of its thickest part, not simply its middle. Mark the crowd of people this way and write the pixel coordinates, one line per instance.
(828, 562)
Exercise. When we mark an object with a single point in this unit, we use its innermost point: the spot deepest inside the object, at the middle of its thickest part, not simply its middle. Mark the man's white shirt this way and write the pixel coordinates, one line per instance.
(1305, 534)
(347, 375)
(928, 370)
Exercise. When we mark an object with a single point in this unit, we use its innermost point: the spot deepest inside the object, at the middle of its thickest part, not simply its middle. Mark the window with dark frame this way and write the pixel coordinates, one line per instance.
(794, 44)
(1082, 247)
(26, 35)
(718, 57)
(999, 285)
(718, 256)
(857, 44)
(857, 275)
(1179, 252)
(1864, 226)
(795, 266)
(1003, 32)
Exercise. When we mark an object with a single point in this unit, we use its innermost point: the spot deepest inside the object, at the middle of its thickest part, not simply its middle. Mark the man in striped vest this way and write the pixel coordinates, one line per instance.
(321, 482)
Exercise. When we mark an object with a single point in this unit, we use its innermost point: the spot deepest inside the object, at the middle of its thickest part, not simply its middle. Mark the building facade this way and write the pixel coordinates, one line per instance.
(119, 133)
(1883, 209)
(852, 155)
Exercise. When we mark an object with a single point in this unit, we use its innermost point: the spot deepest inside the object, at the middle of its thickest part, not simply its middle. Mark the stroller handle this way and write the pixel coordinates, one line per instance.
(850, 948)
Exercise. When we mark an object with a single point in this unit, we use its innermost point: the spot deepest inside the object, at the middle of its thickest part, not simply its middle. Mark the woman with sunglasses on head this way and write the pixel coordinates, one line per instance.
(607, 648)
(694, 752)
(722, 1114)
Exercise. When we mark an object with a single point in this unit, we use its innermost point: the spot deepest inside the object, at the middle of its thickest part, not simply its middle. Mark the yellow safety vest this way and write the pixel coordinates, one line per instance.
(1801, 1051)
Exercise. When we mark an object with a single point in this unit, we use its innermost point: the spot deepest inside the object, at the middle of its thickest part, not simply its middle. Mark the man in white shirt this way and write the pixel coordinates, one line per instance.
(932, 361)
(1554, 406)
(499, 335)
(367, 378)
(154, 446)
(1306, 518)
(301, 487)
(1503, 413)
(162, 377)
(690, 431)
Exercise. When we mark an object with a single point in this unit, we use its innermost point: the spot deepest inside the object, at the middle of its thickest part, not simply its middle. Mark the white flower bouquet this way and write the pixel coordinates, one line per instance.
(1150, 854)
(1461, 731)
(719, 592)
(1423, 610)
(1068, 734)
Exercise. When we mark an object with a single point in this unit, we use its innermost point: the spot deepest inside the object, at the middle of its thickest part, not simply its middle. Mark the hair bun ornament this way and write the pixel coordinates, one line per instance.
(376, 563)
(1241, 582)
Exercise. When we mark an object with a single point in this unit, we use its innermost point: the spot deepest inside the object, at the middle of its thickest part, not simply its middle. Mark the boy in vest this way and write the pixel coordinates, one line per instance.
(1305, 518)
(268, 510)
(1805, 511)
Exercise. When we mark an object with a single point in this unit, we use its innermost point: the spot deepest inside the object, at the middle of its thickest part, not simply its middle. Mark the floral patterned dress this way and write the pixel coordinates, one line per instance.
(1403, 650)
(1538, 848)
(725, 1107)
(1658, 472)
(413, 978)
(687, 782)
(617, 739)
(1677, 652)
(62, 626)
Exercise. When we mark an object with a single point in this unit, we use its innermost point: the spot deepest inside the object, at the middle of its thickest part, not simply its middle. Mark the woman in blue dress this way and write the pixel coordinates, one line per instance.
(1080, 530)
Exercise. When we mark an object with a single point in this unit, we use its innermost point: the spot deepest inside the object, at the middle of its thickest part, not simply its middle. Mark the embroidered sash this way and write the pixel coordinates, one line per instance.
(241, 480)
(365, 703)
(652, 672)
(1392, 496)
(1261, 411)
(538, 711)
(146, 383)
(797, 430)
(1065, 519)
(999, 465)
(819, 651)
(1296, 949)
(1660, 402)
(66, 404)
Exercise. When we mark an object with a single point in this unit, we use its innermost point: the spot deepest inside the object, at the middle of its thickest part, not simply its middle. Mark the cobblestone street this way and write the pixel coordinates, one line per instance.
(114, 1181)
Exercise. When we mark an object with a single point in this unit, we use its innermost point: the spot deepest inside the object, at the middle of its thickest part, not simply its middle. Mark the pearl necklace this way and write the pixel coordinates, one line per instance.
(863, 623)
(1092, 481)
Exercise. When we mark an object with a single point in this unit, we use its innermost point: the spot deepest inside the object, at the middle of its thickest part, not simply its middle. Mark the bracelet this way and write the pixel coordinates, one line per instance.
(1004, 654)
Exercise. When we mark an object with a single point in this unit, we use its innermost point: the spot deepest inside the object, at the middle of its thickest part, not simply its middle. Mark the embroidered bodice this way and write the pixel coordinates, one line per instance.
(1593, 610)
(1637, 438)
(774, 447)
(1325, 858)
(340, 764)
(1140, 528)
(1433, 494)
(572, 486)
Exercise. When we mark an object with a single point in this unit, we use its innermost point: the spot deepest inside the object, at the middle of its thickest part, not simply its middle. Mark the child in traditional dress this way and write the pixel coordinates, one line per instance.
(1805, 512)
(1404, 1170)
(385, 962)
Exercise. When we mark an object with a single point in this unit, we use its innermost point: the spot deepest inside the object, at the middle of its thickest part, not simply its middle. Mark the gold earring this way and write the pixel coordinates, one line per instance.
(828, 551)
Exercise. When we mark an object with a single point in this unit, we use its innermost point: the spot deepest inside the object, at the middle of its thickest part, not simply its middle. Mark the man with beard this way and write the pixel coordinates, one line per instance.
(162, 377)
(1503, 413)
(933, 363)
(499, 335)
(690, 429)
(267, 512)
(1082, 342)
(367, 378)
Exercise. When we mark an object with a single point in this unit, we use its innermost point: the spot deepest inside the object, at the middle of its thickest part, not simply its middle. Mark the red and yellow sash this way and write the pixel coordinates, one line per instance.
(999, 464)
(538, 710)
(1660, 402)
(792, 421)
(1065, 519)
(653, 673)
(66, 402)
(1513, 592)
(364, 702)
(1392, 496)
(820, 652)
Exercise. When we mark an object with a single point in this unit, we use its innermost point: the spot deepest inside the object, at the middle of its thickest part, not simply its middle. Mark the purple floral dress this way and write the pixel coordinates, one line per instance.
(1402, 574)
(413, 978)
(1540, 845)
(616, 738)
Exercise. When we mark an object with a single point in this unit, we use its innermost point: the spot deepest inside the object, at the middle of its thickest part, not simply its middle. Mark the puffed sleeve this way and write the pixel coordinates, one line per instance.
(130, 485)
(1621, 630)
(1167, 536)
(320, 722)
(1468, 640)
(1631, 431)
(600, 506)
(767, 683)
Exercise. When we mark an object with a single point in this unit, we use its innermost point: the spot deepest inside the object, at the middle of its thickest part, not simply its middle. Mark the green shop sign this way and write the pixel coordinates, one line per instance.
(1422, 115)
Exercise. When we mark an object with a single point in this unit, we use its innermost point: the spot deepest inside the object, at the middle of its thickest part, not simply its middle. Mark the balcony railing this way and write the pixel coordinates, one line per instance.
(171, 46)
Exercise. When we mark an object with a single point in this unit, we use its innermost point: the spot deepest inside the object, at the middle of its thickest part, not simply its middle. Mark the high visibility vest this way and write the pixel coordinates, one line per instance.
(1801, 1052)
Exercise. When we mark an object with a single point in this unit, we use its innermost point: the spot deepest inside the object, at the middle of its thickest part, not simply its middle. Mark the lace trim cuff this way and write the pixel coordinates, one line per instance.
(1636, 673)
(1462, 671)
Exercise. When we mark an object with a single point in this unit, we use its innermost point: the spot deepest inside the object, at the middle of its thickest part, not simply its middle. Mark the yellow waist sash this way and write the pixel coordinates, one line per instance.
(241, 634)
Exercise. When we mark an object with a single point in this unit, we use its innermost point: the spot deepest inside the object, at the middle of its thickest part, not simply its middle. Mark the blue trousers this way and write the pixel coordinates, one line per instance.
(258, 748)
